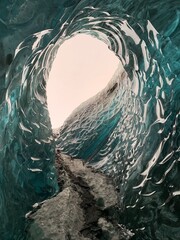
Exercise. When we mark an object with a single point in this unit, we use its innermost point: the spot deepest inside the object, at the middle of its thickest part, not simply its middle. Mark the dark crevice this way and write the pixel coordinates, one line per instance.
(9, 59)
(111, 90)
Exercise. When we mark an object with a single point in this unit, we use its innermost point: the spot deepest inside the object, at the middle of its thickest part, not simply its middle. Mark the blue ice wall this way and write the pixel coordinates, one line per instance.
(130, 130)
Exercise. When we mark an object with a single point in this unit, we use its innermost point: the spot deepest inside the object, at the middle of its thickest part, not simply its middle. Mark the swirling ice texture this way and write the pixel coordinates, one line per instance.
(130, 130)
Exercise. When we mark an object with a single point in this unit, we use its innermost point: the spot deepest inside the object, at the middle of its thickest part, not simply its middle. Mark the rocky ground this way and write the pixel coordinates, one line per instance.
(85, 209)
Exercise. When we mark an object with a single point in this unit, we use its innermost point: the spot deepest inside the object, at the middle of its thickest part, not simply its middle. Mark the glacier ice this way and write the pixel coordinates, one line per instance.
(130, 130)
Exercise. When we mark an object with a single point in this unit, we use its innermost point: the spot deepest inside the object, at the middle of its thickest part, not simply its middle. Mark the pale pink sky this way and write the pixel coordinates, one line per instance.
(83, 67)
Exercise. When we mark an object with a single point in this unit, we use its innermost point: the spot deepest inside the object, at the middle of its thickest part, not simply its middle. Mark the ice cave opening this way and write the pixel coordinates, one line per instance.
(83, 66)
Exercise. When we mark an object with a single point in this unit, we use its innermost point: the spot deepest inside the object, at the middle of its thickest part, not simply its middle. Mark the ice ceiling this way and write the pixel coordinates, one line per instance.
(131, 130)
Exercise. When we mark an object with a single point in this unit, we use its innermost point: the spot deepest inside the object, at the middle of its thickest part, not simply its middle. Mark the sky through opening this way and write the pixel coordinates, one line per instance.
(83, 66)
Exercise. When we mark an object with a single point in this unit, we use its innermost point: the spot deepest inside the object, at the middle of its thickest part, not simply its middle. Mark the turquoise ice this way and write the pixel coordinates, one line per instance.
(130, 130)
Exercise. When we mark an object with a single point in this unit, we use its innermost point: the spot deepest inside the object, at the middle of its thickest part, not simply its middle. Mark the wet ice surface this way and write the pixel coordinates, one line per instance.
(130, 130)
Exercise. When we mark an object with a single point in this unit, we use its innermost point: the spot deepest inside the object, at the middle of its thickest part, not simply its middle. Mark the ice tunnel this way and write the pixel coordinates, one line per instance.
(130, 130)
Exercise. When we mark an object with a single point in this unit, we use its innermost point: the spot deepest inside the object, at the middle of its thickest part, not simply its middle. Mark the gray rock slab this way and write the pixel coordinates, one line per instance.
(59, 218)
(85, 209)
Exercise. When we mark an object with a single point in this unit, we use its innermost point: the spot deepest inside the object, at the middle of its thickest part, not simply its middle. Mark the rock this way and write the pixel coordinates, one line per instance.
(86, 208)
(109, 231)
(59, 218)
(101, 187)
(112, 232)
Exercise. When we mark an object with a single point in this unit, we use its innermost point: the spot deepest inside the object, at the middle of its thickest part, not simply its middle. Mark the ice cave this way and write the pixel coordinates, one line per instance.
(129, 131)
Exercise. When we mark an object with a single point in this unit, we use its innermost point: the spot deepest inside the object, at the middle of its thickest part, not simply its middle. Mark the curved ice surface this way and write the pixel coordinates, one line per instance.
(130, 130)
